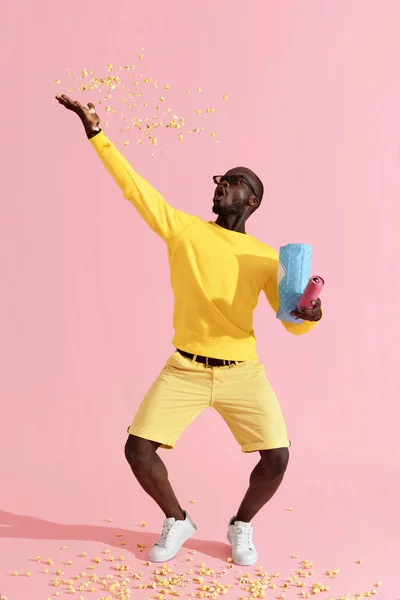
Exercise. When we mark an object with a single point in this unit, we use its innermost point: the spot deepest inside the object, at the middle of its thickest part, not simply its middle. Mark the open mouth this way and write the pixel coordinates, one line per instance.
(220, 192)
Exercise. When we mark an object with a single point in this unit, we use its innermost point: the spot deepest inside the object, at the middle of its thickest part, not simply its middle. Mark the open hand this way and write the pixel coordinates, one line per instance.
(87, 115)
(309, 314)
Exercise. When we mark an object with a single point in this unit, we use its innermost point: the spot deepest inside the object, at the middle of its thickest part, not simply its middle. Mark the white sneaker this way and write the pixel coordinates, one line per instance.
(240, 536)
(174, 534)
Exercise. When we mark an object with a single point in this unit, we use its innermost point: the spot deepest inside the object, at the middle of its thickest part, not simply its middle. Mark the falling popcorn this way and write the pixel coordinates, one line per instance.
(58, 81)
(224, 97)
(127, 91)
(143, 524)
(109, 520)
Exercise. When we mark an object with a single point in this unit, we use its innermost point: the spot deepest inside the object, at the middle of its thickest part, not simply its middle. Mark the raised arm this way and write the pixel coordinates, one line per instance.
(310, 316)
(165, 220)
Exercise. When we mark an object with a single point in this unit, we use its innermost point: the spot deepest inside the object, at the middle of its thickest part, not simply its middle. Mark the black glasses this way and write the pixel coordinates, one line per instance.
(234, 180)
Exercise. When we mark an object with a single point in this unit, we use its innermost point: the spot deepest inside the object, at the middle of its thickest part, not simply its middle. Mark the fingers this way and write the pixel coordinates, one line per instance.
(305, 316)
(304, 313)
(66, 101)
(315, 304)
(309, 314)
(62, 101)
(75, 105)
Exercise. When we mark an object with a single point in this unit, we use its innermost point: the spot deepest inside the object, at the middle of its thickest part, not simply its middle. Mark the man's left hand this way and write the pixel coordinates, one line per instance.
(309, 314)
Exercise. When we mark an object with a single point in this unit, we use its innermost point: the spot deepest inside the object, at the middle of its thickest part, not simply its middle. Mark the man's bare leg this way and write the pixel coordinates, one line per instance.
(152, 474)
(265, 479)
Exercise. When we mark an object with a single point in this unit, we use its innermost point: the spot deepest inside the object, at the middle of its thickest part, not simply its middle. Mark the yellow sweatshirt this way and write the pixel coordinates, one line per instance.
(216, 274)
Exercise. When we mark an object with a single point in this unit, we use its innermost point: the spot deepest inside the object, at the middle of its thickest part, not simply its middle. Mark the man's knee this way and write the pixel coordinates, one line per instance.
(138, 452)
(275, 461)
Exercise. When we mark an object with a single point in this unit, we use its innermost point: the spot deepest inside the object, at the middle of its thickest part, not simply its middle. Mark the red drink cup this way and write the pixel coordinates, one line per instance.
(312, 292)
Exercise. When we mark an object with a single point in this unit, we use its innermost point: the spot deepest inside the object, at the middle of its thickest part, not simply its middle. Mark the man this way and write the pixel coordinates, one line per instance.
(217, 274)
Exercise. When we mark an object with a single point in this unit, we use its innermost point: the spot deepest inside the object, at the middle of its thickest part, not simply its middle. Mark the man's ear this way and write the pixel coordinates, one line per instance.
(253, 202)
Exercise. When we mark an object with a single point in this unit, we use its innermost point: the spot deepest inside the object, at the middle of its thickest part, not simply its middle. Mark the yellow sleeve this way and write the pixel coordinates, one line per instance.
(271, 292)
(166, 221)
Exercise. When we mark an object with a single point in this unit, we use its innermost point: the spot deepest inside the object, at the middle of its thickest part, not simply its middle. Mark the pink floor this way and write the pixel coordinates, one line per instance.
(335, 522)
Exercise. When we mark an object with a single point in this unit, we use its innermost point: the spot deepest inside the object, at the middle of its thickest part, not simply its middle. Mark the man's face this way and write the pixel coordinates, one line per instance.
(233, 192)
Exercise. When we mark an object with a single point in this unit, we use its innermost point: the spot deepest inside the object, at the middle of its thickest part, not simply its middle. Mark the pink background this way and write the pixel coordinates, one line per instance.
(314, 96)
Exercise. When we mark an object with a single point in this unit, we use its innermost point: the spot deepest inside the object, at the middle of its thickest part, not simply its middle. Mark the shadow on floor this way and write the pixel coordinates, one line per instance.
(25, 527)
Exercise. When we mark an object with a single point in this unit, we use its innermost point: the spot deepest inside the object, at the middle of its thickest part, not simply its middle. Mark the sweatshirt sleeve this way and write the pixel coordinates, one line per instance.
(271, 292)
(166, 221)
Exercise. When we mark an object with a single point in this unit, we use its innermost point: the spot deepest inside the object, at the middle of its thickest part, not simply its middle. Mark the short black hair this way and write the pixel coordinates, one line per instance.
(255, 180)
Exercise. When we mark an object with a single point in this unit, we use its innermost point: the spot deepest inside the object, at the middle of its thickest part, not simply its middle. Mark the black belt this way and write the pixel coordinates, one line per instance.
(210, 362)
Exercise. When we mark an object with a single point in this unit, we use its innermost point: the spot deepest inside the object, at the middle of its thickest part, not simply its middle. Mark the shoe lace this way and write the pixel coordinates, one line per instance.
(244, 538)
(163, 541)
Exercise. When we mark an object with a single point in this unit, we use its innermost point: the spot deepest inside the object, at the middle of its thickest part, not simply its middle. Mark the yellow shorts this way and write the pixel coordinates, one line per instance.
(241, 393)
